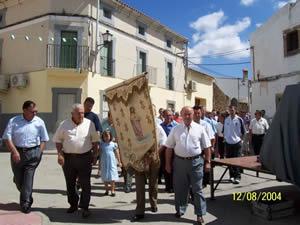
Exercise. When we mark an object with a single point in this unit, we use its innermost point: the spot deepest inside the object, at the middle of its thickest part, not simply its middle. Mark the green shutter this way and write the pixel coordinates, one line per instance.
(68, 49)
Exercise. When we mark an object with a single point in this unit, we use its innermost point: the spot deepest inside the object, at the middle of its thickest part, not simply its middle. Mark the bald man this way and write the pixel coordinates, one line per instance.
(77, 144)
(189, 140)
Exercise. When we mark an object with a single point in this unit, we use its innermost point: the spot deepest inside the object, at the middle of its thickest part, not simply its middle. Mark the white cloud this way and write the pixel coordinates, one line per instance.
(258, 25)
(213, 36)
(280, 4)
(247, 2)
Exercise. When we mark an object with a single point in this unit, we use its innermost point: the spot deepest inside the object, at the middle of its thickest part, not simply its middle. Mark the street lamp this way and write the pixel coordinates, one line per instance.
(107, 37)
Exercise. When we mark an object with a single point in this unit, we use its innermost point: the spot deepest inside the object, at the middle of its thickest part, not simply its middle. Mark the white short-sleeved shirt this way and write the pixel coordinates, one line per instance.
(76, 139)
(188, 142)
(232, 129)
(161, 135)
(220, 129)
(208, 129)
(259, 126)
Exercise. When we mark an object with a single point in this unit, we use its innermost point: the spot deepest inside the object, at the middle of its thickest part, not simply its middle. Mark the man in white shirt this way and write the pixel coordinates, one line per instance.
(234, 130)
(257, 130)
(76, 142)
(188, 140)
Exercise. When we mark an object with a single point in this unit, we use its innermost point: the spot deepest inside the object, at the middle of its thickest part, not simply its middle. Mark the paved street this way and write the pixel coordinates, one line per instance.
(50, 201)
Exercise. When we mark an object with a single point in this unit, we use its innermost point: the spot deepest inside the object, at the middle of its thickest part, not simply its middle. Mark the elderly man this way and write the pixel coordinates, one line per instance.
(76, 142)
(189, 140)
(25, 136)
(257, 130)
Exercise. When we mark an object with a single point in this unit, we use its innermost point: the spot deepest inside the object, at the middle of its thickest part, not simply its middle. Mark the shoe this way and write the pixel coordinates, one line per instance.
(232, 179)
(154, 209)
(236, 181)
(127, 190)
(25, 209)
(178, 215)
(200, 220)
(137, 217)
(72, 209)
(113, 194)
(86, 213)
(106, 193)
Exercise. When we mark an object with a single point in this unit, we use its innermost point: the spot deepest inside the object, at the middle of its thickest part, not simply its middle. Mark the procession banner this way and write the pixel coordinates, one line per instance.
(131, 110)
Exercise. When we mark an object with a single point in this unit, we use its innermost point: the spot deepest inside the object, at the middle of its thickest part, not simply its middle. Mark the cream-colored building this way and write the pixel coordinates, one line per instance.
(199, 89)
(53, 52)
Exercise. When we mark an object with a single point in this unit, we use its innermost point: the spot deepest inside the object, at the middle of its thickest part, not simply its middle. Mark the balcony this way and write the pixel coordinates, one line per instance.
(151, 72)
(68, 56)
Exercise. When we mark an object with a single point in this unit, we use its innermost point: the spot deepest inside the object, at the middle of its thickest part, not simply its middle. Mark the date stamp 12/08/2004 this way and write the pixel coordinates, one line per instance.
(257, 196)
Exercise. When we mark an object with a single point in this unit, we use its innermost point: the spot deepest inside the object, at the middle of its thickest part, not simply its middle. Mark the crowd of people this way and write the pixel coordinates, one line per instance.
(187, 142)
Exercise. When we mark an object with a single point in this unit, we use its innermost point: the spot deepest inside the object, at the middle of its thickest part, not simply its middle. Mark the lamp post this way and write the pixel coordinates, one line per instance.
(107, 37)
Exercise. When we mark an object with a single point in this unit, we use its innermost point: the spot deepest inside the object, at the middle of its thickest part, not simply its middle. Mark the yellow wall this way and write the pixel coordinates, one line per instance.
(40, 87)
(204, 89)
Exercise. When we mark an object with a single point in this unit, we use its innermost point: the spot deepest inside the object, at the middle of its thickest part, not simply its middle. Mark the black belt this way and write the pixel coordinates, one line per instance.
(24, 149)
(189, 158)
(77, 155)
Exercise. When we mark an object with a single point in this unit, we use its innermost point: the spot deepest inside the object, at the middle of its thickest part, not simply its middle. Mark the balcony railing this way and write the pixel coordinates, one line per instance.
(67, 56)
(151, 72)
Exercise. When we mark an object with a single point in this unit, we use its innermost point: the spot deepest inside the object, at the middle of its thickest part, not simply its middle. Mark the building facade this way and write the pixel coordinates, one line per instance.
(199, 89)
(54, 53)
(275, 57)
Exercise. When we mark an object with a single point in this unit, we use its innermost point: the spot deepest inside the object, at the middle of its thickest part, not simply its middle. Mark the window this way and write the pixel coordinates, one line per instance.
(142, 62)
(169, 43)
(200, 101)
(292, 42)
(169, 76)
(142, 30)
(106, 59)
(171, 105)
(107, 13)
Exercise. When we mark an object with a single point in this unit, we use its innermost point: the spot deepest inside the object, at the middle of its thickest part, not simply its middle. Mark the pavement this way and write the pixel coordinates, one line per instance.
(50, 200)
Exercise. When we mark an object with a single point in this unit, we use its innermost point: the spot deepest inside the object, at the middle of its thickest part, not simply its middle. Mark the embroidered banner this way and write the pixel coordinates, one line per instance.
(131, 110)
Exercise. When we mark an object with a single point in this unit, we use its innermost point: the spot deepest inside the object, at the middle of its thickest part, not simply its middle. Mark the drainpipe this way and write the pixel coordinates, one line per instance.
(97, 31)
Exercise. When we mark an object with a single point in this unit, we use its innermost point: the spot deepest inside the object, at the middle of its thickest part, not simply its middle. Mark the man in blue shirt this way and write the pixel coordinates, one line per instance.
(88, 106)
(167, 125)
(25, 137)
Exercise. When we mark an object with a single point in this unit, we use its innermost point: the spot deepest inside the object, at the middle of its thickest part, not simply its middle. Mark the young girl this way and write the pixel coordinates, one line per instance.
(109, 157)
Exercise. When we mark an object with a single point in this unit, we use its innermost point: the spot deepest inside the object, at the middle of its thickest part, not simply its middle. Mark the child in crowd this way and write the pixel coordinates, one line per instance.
(109, 158)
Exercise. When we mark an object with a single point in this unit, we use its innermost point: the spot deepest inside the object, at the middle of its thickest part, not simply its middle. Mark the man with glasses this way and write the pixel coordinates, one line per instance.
(25, 137)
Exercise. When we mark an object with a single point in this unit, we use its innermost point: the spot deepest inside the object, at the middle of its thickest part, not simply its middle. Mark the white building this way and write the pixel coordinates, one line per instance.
(234, 88)
(275, 57)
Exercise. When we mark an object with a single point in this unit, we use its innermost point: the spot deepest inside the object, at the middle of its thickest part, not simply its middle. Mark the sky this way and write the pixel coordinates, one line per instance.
(218, 30)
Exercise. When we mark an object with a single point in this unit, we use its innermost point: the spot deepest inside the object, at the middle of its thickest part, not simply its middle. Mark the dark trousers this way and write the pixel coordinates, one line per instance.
(257, 141)
(168, 176)
(221, 147)
(24, 173)
(78, 165)
(234, 150)
(140, 178)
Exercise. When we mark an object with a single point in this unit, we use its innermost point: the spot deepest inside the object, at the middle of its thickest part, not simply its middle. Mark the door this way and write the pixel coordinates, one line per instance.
(68, 49)
(106, 60)
(64, 106)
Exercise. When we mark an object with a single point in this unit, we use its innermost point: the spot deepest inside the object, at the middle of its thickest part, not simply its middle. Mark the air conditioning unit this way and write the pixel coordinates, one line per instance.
(3, 83)
(18, 80)
(192, 86)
